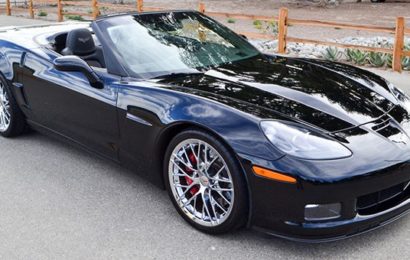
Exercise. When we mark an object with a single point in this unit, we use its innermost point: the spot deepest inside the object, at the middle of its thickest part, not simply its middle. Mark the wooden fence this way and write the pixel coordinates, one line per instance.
(399, 30)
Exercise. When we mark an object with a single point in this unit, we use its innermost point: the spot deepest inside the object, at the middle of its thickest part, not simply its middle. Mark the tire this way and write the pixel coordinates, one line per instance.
(12, 121)
(378, 1)
(216, 179)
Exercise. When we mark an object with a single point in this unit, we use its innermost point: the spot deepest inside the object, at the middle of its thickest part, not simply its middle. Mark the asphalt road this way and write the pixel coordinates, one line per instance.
(59, 202)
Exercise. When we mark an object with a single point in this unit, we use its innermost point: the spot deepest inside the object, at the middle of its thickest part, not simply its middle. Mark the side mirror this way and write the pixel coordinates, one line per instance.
(74, 63)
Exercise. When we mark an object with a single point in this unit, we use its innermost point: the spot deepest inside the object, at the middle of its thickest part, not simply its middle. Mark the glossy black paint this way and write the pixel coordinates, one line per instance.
(131, 121)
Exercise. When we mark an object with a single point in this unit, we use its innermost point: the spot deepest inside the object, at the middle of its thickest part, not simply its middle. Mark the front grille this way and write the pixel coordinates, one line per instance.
(383, 200)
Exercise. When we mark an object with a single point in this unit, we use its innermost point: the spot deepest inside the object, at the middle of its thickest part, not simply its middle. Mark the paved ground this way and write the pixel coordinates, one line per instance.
(58, 202)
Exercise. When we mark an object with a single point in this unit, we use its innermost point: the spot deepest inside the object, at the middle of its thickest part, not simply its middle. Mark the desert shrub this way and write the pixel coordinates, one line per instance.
(42, 13)
(257, 24)
(75, 17)
(266, 26)
(104, 9)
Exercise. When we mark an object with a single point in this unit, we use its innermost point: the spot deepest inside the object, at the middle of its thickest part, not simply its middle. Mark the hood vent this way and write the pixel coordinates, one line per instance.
(386, 127)
(381, 123)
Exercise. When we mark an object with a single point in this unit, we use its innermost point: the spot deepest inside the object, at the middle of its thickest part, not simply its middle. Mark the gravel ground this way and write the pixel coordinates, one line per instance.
(58, 202)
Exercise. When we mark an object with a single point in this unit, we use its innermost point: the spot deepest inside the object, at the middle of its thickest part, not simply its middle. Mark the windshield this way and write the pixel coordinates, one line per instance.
(151, 45)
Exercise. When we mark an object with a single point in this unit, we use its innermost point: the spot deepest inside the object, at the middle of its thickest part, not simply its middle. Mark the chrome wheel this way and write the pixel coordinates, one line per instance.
(4, 109)
(201, 182)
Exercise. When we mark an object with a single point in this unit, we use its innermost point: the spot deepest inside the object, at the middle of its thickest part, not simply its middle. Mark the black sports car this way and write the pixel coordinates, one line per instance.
(304, 149)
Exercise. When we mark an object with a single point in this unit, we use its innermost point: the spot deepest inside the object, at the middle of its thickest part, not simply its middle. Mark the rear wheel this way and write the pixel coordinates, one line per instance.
(12, 122)
(205, 183)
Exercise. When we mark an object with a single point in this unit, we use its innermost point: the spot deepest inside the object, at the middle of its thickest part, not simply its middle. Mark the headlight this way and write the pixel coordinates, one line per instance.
(397, 93)
(298, 141)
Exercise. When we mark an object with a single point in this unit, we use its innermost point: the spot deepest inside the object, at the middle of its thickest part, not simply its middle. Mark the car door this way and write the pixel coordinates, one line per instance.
(65, 103)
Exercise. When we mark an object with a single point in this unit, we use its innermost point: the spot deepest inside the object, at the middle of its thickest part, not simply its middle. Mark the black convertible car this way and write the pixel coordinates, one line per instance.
(304, 149)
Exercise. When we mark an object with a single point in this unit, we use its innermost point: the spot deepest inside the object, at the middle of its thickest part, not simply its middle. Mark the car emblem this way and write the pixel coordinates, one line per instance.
(84, 40)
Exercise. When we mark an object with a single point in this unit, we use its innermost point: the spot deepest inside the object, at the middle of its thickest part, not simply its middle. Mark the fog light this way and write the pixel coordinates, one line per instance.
(322, 212)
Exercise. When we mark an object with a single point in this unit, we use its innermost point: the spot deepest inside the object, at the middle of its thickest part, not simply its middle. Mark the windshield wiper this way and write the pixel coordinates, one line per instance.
(178, 74)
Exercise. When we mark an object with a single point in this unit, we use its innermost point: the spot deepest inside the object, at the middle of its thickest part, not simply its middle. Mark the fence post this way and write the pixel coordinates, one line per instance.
(201, 7)
(30, 9)
(8, 8)
(398, 44)
(59, 11)
(282, 30)
(140, 5)
(96, 10)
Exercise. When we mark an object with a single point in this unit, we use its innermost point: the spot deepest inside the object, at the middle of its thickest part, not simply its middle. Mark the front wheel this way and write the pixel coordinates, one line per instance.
(205, 182)
(12, 122)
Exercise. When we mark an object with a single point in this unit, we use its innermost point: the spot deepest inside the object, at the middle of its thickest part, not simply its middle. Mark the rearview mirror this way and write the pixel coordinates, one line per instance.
(74, 63)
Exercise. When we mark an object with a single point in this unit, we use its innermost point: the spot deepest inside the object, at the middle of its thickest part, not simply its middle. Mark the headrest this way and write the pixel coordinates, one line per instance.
(80, 42)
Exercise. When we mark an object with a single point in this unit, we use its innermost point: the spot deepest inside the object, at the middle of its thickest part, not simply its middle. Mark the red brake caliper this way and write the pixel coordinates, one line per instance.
(189, 181)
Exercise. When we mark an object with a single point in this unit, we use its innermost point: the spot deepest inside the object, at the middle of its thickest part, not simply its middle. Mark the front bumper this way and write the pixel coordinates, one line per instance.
(278, 208)
(337, 230)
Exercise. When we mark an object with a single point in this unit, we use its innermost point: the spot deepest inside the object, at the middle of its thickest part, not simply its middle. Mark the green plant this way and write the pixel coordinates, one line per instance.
(103, 9)
(231, 20)
(332, 54)
(274, 27)
(406, 60)
(389, 60)
(405, 63)
(42, 13)
(74, 17)
(377, 59)
(358, 57)
(266, 26)
(257, 24)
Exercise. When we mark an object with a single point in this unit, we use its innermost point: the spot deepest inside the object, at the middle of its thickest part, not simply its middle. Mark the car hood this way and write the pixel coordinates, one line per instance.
(327, 95)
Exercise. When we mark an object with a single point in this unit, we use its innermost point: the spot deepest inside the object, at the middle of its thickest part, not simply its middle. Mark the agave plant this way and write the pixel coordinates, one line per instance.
(389, 60)
(405, 63)
(358, 57)
(332, 54)
(377, 59)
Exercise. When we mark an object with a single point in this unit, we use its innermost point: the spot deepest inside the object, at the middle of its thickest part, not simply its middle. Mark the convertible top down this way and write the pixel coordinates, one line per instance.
(303, 149)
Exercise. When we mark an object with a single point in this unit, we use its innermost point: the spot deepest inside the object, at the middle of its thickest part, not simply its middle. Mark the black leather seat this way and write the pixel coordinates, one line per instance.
(80, 43)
